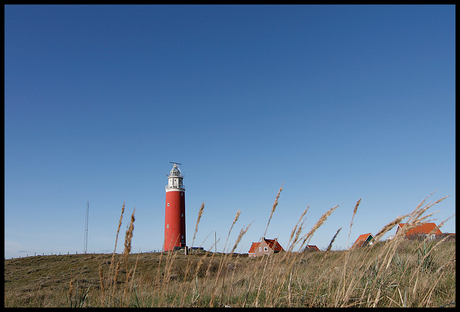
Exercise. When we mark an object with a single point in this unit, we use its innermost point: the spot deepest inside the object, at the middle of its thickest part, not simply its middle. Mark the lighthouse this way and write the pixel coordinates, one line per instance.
(175, 210)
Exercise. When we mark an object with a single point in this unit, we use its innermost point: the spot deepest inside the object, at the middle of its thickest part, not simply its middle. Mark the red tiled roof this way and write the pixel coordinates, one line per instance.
(361, 240)
(253, 247)
(424, 228)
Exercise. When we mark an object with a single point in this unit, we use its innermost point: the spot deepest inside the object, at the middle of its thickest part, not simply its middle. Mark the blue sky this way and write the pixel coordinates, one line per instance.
(337, 102)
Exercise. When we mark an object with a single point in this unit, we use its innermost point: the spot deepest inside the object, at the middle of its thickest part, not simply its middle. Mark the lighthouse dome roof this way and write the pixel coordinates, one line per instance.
(174, 171)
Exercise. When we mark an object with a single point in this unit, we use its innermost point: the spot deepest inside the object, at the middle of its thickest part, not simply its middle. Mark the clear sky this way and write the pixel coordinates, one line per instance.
(337, 102)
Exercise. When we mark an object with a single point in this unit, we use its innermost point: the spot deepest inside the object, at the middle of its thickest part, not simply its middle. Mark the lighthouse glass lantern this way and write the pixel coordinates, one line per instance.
(175, 210)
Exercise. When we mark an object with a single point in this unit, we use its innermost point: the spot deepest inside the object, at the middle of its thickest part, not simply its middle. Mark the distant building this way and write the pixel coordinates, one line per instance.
(265, 247)
(422, 231)
(311, 248)
(363, 240)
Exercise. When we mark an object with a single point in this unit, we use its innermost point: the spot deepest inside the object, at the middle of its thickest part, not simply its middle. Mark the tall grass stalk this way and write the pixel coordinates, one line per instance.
(351, 222)
(329, 247)
(297, 230)
(273, 208)
(126, 252)
(110, 273)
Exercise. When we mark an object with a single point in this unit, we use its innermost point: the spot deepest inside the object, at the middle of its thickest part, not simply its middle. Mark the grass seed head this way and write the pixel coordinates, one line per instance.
(274, 207)
(200, 213)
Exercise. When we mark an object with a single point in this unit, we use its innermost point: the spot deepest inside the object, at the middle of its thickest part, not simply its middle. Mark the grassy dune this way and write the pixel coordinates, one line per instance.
(394, 273)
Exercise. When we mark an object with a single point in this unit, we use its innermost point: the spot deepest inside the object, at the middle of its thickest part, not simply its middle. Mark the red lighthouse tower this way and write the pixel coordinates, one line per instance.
(175, 210)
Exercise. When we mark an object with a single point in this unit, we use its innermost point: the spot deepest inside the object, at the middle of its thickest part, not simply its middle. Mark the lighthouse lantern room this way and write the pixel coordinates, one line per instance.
(175, 210)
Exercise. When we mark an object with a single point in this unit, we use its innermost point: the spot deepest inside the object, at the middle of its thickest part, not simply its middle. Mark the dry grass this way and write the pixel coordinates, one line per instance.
(273, 208)
(394, 273)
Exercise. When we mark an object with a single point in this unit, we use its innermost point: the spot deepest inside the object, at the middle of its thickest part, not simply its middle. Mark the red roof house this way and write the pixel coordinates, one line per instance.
(265, 247)
(363, 240)
(423, 230)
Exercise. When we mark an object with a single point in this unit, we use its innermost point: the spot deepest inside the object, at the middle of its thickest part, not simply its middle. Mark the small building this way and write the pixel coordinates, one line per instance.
(363, 240)
(264, 247)
(422, 231)
(311, 248)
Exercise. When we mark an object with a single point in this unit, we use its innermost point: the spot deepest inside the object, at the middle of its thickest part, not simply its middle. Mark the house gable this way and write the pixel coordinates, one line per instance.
(274, 244)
